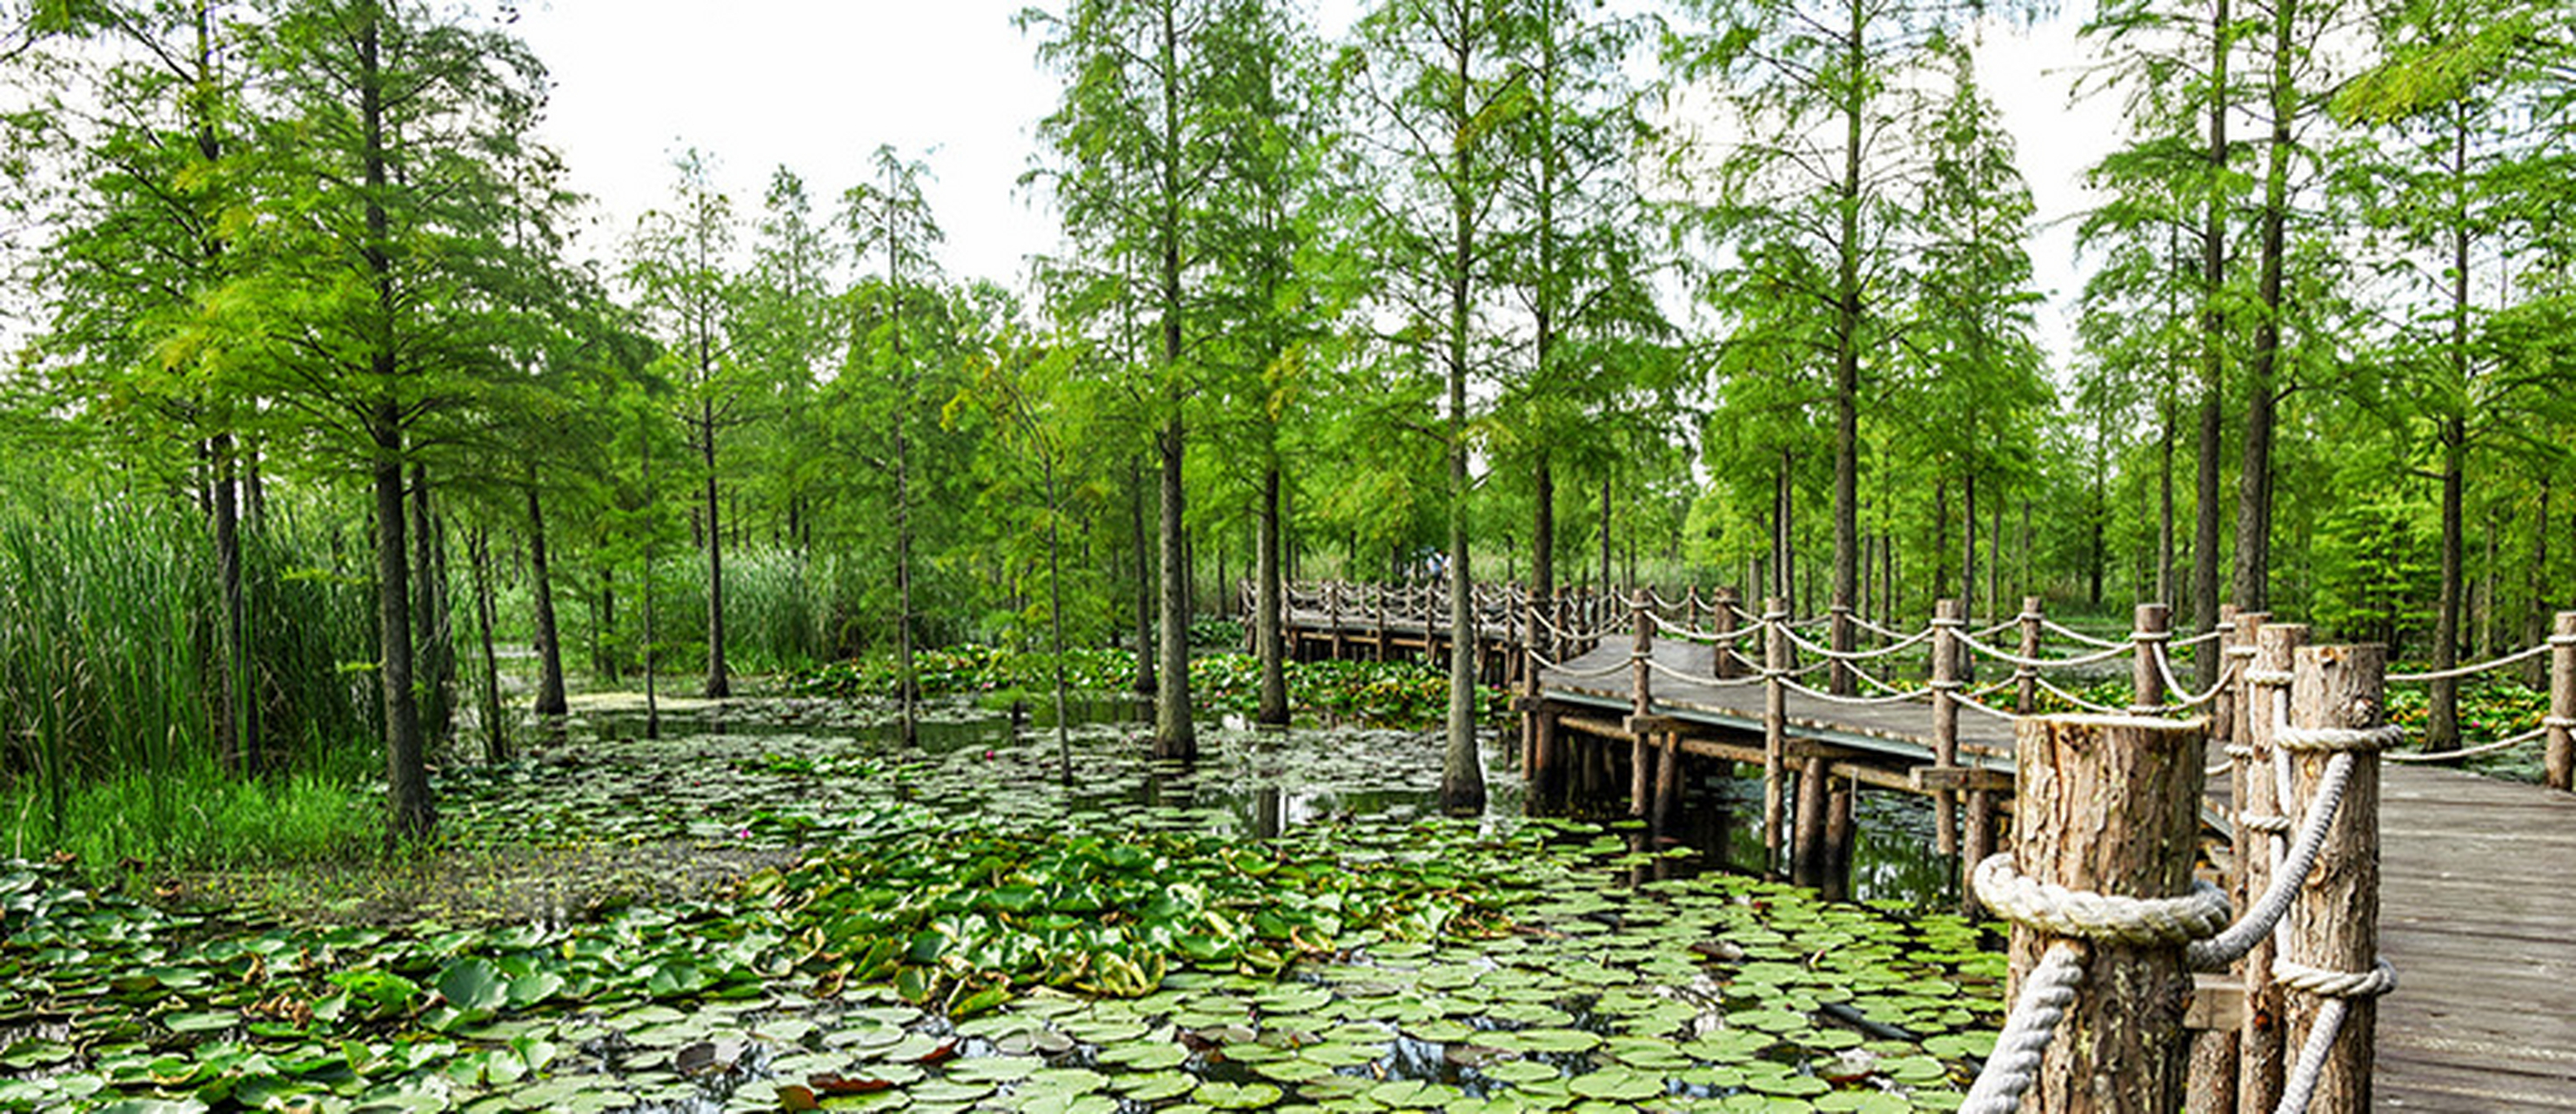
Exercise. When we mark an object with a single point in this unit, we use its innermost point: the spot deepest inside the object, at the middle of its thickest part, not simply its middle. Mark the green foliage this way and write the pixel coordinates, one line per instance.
(107, 666)
(2377, 571)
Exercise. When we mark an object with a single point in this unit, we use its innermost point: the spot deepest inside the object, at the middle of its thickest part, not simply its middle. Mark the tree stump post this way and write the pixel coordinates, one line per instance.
(2334, 926)
(1946, 621)
(2110, 805)
(2154, 627)
(2256, 791)
(1722, 657)
(2026, 677)
(1775, 722)
(2559, 771)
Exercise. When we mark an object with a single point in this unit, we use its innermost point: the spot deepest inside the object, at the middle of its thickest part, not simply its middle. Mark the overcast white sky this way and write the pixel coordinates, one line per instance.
(818, 84)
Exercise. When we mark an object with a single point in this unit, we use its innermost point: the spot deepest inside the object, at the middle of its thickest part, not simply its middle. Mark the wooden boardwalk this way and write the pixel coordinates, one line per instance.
(2478, 909)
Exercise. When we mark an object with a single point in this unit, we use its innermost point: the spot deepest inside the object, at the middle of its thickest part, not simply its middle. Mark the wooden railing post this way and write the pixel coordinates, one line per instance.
(1724, 661)
(1333, 615)
(1946, 621)
(2259, 846)
(2334, 925)
(2026, 677)
(2153, 628)
(1641, 701)
(2110, 805)
(2559, 769)
(1775, 721)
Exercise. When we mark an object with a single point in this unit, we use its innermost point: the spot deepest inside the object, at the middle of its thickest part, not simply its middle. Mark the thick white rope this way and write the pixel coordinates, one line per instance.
(2204, 636)
(2456, 672)
(2014, 1065)
(1825, 651)
(2482, 748)
(2064, 631)
(2117, 649)
(2216, 952)
(2078, 701)
(2338, 988)
(2134, 921)
(1653, 666)
(2173, 684)
(2000, 627)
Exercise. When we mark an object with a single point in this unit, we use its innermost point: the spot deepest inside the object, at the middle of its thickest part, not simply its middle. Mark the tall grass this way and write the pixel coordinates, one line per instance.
(111, 673)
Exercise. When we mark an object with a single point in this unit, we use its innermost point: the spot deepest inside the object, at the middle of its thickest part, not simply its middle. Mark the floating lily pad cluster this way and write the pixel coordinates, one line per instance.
(957, 929)
(1410, 966)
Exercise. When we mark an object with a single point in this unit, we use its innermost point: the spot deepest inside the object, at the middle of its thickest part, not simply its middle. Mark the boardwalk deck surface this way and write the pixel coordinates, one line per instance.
(2477, 909)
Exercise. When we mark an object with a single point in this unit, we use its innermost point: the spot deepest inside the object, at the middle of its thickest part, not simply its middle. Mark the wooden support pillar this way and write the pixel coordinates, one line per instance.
(2154, 626)
(1668, 781)
(1775, 722)
(2559, 769)
(2334, 925)
(1808, 849)
(2026, 677)
(1725, 661)
(1641, 702)
(2256, 789)
(2110, 805)
(1946, 621)
(1976, 842)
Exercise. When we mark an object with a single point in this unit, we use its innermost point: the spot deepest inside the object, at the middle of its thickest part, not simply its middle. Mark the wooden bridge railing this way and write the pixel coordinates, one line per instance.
(2108, 921)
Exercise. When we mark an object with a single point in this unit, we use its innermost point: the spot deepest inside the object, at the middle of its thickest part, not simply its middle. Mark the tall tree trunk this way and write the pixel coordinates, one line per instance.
(2442, 723)
(496, 736)
(1462, 773)
(1543, 528)
(2213, 317)
(2536, 616)
(907, 674)
(435, 670)
(1847, 324)
(1606, 590)
(1145, 580)
(719, 679)
(412, 815)
(2253, 588)
(2165, 513)
(1268, 635)
(550, 678)
(1968, 544)
(1175, 736)
(238, 734)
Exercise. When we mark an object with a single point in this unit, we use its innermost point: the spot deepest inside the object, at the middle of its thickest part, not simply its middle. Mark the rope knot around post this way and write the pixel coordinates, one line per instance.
(2060, 911)
(2323, 983)
(2332, 740)
(2269, 678)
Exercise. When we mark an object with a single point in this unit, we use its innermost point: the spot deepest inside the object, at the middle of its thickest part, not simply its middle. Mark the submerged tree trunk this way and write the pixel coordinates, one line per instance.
(550, 679)
(1268, 633)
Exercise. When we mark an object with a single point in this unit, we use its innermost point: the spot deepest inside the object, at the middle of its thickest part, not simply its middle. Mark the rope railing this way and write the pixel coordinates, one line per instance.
(2456, 672)
(2079, 637)
(2164, 665)
(1822, 650)
(2007, 657)
(2197, 923)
